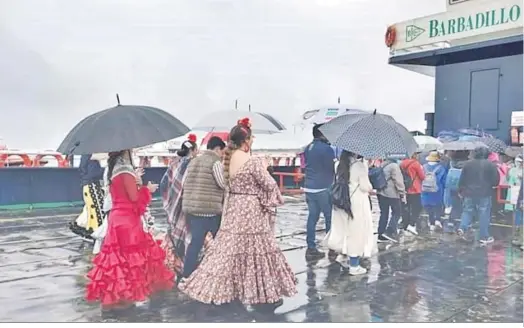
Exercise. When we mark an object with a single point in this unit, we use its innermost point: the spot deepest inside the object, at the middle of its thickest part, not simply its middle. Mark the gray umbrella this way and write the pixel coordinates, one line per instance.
(371, 135)
(463, 145)
(121, 127)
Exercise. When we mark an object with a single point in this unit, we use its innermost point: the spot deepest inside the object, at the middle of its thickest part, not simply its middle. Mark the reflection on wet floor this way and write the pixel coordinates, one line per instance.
(431, 278)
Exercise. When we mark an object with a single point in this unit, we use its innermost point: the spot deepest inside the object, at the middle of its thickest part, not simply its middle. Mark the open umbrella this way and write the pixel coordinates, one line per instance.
(494, 145)
(225, 120)
(427, 143)
(371, 135)
(325, 114)
(121, 127)
(463, 145)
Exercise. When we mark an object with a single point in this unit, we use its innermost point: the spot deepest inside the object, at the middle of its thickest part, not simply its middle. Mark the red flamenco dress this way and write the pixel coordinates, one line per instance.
(130, 266)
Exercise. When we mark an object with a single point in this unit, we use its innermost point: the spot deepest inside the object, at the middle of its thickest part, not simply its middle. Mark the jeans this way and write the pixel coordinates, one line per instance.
(386, 224)
(412, 211)
(199, 226)
(447, 197)
(456, 206)
(518, 217)
(481, 206)
(316, 203)
(434, 213)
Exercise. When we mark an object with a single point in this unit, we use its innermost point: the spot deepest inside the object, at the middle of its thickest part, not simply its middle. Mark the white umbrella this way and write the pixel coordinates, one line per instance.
(325, 114)
(225, 120)
(428, 143)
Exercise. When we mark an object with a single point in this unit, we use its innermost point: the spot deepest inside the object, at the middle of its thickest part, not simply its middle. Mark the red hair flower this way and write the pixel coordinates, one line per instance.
(244, 122)
(192, 137)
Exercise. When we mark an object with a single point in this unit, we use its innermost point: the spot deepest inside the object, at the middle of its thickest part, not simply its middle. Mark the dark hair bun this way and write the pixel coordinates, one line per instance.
(186, 148)
(240, 133)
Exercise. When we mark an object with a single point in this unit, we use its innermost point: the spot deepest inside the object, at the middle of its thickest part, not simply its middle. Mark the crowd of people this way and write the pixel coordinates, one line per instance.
(221, 203)
(220, 245)
(448, 186)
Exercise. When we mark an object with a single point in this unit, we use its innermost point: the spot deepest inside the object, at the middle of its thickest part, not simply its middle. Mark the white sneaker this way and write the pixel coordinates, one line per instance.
(431, 228)
(358, 270)
(447, 210)
(411, 229)
(142, 303)
(438, 224)
(342, 260)
(485, 241)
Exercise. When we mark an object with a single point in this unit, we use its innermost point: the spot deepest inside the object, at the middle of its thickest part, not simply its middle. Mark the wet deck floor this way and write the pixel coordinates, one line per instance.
(432, 278)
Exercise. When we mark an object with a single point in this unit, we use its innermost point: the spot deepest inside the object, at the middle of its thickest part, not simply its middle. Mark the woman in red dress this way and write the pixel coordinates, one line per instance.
(130, 266)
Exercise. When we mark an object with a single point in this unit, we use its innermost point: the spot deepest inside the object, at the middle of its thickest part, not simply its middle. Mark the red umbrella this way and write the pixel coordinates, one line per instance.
(222, 135)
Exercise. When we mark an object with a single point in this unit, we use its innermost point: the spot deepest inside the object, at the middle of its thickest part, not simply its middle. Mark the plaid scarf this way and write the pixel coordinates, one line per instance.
(178, 236)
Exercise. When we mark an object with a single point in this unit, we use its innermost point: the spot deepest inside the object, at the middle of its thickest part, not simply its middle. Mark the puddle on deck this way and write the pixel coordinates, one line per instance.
(424, 279)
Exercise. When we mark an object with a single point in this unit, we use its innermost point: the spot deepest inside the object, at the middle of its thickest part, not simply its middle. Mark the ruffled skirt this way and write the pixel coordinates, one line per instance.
(129, 268)
(249, 268)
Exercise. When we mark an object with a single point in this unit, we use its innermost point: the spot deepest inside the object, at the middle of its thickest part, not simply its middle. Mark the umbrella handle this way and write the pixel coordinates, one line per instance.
(74, 147)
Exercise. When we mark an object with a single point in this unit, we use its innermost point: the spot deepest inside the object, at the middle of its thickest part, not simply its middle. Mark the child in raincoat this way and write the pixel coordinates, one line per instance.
(433, 186)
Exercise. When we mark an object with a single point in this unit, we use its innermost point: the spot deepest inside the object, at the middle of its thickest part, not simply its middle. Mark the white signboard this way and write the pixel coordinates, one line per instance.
(474, 19)
(454, 2)
(517, 118)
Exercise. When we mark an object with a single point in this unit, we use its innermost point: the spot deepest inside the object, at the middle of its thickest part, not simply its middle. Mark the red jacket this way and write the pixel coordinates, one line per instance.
(415, 170)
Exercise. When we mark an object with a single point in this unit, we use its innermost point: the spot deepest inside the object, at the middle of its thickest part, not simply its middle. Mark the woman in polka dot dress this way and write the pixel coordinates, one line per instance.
(244, 262)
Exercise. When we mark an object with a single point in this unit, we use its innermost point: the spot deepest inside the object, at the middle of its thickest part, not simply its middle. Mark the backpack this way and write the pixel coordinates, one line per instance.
(453, 178)
(430, 183)
(408, 180)
(340, 195)
(377, 177)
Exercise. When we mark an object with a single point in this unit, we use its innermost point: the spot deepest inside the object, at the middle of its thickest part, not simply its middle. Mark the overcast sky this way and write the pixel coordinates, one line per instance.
(62, 60)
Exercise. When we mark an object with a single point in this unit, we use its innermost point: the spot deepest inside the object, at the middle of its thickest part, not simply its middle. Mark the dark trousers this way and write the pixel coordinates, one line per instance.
(199, 226)
(316, 203)
(386, 224)
(412, 209)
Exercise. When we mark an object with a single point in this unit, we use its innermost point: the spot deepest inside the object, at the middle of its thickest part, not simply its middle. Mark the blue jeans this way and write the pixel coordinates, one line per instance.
(456, 206)
(316, 203)
(434, 213)
(518, 217)
(480, 206)
(199, 226)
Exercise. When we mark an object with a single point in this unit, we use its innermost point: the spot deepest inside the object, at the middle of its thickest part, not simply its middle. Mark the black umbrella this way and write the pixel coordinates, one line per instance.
(121, 127)
(371, 135)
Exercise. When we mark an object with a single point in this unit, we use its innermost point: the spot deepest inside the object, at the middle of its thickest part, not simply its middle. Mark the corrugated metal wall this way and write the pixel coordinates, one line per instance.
(482, 93)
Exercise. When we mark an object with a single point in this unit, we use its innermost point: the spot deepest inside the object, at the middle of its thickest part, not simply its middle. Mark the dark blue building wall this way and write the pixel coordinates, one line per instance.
(53, 187)
(480, 93)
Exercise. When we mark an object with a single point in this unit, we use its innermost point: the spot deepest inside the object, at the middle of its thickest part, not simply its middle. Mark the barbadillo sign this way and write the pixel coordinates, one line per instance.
(475, 21)
(470, 19)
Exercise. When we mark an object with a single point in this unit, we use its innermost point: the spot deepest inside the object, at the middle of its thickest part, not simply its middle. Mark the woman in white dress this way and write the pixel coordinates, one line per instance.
(351, 234)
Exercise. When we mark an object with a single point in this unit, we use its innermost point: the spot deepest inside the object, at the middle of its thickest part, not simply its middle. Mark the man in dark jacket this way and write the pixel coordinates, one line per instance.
(320, 173)
(479, 177)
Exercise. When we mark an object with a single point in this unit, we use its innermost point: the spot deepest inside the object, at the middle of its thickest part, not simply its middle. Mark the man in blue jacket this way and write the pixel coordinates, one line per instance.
(320, 174)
